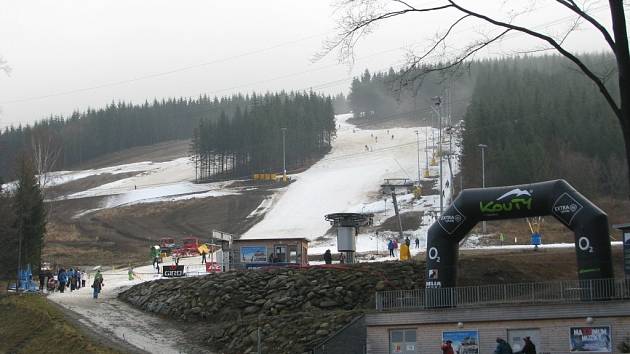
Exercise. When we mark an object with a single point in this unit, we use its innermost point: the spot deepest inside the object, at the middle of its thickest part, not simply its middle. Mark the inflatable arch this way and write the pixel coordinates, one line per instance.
(556, 198)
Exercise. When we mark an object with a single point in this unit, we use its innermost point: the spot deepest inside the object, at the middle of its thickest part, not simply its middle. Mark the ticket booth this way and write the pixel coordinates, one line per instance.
(279, 252)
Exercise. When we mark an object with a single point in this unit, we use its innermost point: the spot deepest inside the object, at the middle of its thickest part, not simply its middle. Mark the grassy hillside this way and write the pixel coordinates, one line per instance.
(31, 325)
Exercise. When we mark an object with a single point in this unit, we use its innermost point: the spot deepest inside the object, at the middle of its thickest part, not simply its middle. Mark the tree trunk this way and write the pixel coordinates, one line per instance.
(622, 56)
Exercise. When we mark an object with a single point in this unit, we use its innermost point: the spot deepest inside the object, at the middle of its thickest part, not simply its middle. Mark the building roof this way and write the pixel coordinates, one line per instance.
(273, 239)
(622, 226)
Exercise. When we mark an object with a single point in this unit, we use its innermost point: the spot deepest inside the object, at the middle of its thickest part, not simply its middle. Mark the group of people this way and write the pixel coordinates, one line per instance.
(503, 347)
(73, 279)
(328, 257)
(392, 246)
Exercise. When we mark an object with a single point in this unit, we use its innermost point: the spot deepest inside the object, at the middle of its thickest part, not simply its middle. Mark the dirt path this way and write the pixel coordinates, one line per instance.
(118, 322)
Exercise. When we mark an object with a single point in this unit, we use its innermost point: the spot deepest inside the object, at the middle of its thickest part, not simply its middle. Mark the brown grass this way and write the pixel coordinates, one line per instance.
(31, 325)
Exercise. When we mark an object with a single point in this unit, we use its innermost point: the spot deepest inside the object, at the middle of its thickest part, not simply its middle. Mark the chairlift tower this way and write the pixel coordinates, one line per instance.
(347, 225)
(391, 185)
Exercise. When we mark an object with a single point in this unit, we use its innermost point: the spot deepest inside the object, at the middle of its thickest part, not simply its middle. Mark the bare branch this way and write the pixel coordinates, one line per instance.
(404, 3)
(439, 41)
(4, 66)
(413, 73)
(355, 26)
(602, 88)
(571, 5)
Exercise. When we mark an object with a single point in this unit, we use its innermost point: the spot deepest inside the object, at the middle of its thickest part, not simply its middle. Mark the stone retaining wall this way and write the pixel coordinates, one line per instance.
(295, 308)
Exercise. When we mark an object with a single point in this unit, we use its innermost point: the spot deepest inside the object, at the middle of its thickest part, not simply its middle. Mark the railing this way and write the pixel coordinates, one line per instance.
(504, 294)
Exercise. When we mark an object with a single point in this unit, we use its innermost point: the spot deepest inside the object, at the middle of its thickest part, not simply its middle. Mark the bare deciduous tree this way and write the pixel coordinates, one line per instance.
(358, 18)
(46, 152)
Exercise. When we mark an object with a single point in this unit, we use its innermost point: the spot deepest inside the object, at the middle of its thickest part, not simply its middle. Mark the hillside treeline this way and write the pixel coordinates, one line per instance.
(250, 140)
(542, 119)
(384, 95)
(118, 126)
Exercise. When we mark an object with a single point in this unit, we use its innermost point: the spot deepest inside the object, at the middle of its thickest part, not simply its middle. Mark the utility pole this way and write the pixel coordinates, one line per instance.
(449, 131)
(418, 148)
(284, 156)
(426, 150)
(483, 176)
(437, 101)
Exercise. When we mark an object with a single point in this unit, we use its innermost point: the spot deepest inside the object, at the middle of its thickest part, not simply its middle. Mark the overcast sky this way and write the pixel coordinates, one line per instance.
(71, 55)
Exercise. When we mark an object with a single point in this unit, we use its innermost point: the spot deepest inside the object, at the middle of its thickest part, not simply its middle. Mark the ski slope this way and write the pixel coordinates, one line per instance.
(348, 179)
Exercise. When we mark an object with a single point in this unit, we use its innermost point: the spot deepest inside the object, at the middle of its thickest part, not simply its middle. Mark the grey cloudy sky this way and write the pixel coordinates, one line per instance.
(69, 55)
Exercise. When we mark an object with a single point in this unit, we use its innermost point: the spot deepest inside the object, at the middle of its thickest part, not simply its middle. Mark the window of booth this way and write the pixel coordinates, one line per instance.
(402, 341)
(280, 252)
(293, 254)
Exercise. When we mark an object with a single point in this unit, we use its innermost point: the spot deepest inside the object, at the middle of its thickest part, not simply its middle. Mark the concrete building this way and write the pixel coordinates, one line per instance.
(558, 317)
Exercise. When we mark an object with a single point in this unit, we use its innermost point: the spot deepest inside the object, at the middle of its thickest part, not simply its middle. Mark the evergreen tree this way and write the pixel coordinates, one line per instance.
(8, 239)
(30, 223)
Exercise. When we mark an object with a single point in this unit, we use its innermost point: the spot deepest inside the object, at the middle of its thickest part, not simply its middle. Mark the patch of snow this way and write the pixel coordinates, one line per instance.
(264, 206)
(166, 193)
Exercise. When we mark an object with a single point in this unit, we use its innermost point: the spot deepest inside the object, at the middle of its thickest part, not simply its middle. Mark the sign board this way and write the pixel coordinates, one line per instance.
(220, 235)
(590, 339)
(463, 342)
(172, 271)
(253, 254)
(213, 267)
(626, 253)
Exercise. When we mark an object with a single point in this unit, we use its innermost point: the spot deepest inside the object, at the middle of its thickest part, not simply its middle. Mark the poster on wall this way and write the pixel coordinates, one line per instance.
(253, 254)
(591, 339)
(516, 338)
(463, 342)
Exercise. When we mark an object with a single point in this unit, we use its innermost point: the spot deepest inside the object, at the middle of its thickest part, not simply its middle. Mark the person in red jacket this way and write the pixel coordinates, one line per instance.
(447, 348)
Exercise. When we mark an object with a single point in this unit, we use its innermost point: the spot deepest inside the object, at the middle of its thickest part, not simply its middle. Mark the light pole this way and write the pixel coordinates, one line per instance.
(483, 176)
(426, 150)
(284, 156)
(418, 148)
(437, 100)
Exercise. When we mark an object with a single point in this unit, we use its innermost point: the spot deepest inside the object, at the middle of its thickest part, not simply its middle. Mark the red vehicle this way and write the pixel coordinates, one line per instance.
(188, 248)
(167, 245)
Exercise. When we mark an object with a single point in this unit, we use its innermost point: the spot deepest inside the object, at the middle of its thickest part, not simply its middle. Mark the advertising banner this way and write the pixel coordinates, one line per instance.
(463, 342)
(173, 271)
(591, 339)
(253, 254)
(213, 267)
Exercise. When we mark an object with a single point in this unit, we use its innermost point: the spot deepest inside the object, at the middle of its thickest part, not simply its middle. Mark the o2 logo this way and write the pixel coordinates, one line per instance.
(584, 244)
(434, 255)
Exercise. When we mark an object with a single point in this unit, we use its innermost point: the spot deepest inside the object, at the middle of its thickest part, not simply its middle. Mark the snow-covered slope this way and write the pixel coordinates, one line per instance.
(346, 180)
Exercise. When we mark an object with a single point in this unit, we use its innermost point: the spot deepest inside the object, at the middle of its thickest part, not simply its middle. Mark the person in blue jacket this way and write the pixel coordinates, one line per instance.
(390, 247)
(62, 277)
